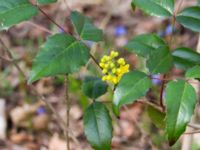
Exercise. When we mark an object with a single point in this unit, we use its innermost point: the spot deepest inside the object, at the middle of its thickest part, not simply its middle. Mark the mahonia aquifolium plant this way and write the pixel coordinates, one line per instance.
(112, 68)
(64, 54)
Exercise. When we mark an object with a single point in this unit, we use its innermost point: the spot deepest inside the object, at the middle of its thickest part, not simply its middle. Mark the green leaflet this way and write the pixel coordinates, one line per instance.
(131, 87)
(185, 58)
(180, 99)
(190, 18)
(43, 2)
(61, 54)
(193, 72)
(98, 126)
(94, 87)
(162, 8)
(85, 28)
(9, 9)
(144, 44)
(160, 60)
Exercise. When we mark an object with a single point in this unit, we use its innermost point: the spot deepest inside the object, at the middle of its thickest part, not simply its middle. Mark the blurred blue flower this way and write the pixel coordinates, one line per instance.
(120, 30)
(161, 33)
(156, 79)
(41, 110)
(169, 29)
(61, 30)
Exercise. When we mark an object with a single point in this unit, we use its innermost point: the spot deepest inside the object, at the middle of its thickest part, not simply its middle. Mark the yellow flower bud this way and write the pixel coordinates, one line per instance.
(112, 65)
(109, 77)
(104, 78)
(121, 61)
(106, 66)
(118, 70)
(114, 70)
(114, 80)
(101, 64)
(114, 54)
(105, 71)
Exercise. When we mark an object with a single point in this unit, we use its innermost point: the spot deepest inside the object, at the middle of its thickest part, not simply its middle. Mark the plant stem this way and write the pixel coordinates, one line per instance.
(162, 91)
(67, 103)
(7, 50)
(48, 17)
(165, 75)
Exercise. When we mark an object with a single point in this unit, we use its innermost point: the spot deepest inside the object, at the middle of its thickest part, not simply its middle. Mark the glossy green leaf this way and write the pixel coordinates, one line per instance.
(143, 44)
(180, 99)
(160, 60)
(185, 58)
(156, 7)
(156, 116)
(85, 28)
(98, 126)
(42, 2)
(193, 72)
(94, 87)
(13, 12)
(131, 87)
(190, 18)
(61, 54)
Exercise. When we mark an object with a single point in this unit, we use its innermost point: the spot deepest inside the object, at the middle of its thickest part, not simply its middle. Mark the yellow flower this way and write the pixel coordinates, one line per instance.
(121, 61)
(112, 68)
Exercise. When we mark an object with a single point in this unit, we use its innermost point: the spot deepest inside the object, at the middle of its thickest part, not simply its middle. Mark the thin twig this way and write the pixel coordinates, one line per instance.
(96, 62)
(67, 103)
(5, 59)
(52, 20)
(157, 107)
(179, 6)
(39, 27)
(7, 50)
(194, 126)
(193, 132)
(162, 91)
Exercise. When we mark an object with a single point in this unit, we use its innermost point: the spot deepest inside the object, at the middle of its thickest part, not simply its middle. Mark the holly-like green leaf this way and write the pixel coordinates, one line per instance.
(13, 12)
(180, 99)
(144, 44)
(61, 54)
(84, 27)
(43, 2)
(98, 126)
(190, 18)
(163, 8)
(156, 116)
(94, 87)
(131, 87)
(193, 72)
(160, 60)
(185, 58)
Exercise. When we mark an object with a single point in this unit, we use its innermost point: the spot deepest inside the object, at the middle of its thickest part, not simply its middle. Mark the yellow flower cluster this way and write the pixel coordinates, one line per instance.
(113, 68)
